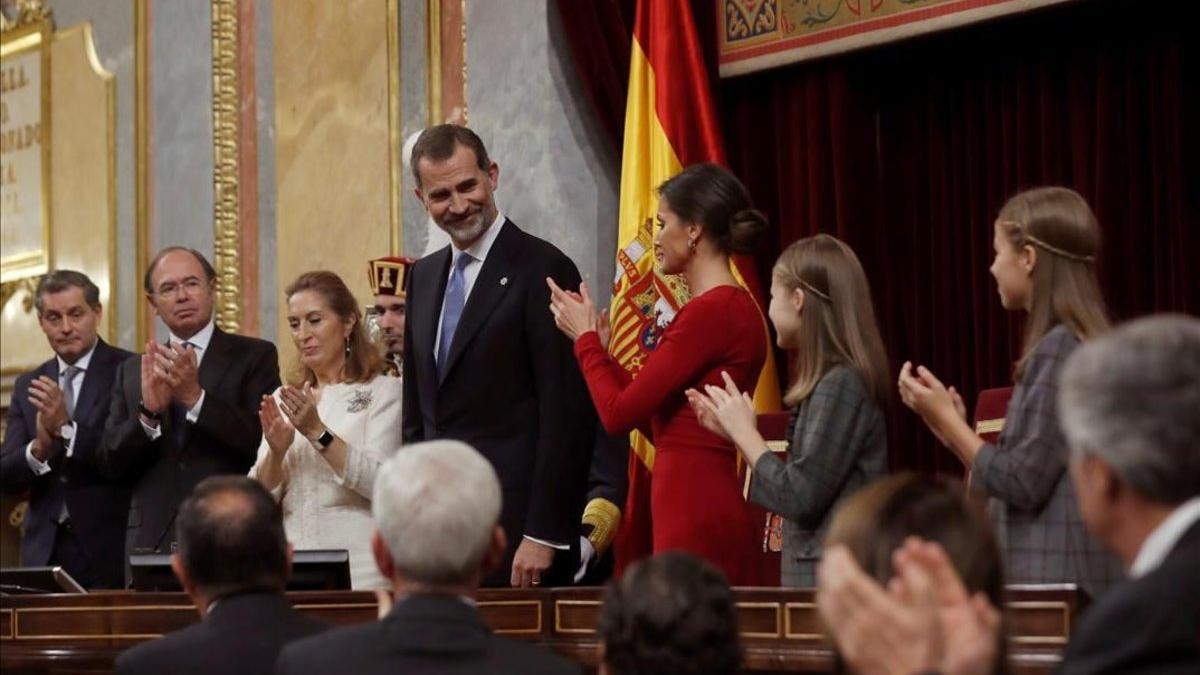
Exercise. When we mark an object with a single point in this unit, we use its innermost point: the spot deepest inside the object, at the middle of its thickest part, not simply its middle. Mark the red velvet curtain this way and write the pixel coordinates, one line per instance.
(598, 33)
(908, 151)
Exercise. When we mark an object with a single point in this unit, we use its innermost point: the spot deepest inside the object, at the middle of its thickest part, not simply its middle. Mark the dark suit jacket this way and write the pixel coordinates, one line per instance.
(423, 634)
(1145, 625)
(97, 505)
(242, 635)
(511, 387)
(235, 374)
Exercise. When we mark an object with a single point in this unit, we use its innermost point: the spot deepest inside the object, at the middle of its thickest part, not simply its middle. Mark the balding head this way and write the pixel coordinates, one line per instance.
(231, 538)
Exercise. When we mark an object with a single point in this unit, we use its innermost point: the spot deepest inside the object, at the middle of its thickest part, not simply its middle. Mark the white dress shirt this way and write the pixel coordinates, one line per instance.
(478, 252)
(1158, 545)
(199, 343)
(37, 466)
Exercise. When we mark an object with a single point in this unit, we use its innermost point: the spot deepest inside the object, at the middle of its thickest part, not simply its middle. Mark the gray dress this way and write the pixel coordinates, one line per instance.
(1031, 497)
(837, 444)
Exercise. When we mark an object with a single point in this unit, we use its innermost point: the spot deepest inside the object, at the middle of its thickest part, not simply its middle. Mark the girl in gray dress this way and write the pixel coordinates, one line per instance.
(1046, 241)
(821, 309)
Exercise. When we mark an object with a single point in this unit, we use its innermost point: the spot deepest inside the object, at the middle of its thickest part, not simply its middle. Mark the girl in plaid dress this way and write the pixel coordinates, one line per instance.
(1046, 241)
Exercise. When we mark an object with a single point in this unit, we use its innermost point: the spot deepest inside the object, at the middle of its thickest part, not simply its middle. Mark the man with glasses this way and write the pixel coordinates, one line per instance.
(76, 516)
(188, 407)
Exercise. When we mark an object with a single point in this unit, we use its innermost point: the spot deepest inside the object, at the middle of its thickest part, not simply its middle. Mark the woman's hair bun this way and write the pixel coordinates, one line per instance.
(746, 230)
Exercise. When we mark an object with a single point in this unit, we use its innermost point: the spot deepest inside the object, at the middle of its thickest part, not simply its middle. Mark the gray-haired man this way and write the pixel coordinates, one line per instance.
(76, 516)
(1129, 404)
(437, 513)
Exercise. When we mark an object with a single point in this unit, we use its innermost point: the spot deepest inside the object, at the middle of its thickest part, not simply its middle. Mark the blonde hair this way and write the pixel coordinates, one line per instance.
(1058, 222)
(839, 324)
(363, 358)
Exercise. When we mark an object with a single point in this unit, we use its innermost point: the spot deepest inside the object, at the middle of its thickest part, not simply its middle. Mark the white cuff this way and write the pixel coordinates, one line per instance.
(193, 413)
(37, 466)
(586, 553)
(71, 442)
(152, 432)
(543, 542)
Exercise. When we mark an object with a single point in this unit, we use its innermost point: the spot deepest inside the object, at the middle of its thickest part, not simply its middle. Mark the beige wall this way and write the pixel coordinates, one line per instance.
(331, 148)
(83, 196)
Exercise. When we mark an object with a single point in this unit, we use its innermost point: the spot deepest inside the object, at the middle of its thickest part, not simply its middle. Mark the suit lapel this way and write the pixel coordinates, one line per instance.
(426, 319)
(489, 288)
(99, 372)
(213, 365)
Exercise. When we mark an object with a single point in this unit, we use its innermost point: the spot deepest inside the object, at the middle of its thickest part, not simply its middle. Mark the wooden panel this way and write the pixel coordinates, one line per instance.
(780, 627)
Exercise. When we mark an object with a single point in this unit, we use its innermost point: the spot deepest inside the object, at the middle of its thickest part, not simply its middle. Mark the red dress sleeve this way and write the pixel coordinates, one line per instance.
(686, 350)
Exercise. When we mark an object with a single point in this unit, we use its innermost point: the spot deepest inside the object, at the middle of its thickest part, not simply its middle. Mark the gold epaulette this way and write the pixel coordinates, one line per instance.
(604, 517)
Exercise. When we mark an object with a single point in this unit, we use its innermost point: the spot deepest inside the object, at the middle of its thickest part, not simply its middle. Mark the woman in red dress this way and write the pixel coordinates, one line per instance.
(696, 503)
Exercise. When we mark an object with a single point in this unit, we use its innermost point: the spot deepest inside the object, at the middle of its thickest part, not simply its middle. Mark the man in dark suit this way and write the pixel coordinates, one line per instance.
(436, 507)
(233, 561)
(76, 516)
(185, 410)
(1128, 402)
(484, 363)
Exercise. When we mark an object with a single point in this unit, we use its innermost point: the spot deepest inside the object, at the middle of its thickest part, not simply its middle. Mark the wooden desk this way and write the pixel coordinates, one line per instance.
(780, 628)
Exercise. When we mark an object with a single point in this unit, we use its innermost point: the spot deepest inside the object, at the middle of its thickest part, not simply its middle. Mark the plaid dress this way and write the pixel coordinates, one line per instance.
(837, 443)
(1031, 499)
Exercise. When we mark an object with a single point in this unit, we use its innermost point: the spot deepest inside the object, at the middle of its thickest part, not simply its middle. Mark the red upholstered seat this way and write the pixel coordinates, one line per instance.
(990, 409)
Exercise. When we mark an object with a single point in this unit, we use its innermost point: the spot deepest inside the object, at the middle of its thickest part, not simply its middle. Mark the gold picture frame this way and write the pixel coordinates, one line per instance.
(18, 41)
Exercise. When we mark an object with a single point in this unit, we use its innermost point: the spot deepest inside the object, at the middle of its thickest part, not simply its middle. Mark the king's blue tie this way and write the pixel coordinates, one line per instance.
(456, 298)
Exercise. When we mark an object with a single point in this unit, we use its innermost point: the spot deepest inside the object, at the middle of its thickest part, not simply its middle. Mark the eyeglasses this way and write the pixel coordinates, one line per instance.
(190, 286)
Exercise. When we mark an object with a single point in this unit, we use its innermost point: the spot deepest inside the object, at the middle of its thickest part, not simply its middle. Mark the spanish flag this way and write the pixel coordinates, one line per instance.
(670, 122)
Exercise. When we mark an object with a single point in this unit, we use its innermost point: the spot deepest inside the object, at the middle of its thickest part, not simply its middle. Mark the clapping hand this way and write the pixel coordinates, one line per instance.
(182, 373)
(706, 412)
(47, 397)
(278, 431)
(299, 405)
(925, 395)
(156, 390)
(924, 620)
(574, 313)
(732, 409)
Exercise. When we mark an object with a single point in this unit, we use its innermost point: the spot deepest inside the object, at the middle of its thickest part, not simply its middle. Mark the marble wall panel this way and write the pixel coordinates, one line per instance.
(558, 174)
(113, 38)
(181, 140)
(268, 287)
(331, 143)
(414, 115)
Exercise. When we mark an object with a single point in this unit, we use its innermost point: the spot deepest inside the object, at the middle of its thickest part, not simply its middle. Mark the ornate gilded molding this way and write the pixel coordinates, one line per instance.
(28, 13)
(9, 289)
(464, 61)
(395, 141)
(433, 61)
(226, 105)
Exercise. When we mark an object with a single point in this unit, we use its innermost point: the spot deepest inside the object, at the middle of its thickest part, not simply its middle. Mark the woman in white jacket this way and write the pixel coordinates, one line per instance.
(325, 435)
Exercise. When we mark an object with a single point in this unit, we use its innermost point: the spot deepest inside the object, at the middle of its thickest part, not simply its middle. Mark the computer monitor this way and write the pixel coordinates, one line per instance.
(23, 580)
(312, 570)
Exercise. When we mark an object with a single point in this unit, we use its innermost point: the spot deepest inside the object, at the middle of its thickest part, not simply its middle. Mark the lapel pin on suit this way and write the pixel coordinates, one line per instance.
(503, 281)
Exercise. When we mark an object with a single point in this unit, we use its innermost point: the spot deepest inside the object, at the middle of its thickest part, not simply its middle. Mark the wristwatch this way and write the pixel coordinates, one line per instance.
(66, 431)
(324, 440)
(157, 417)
